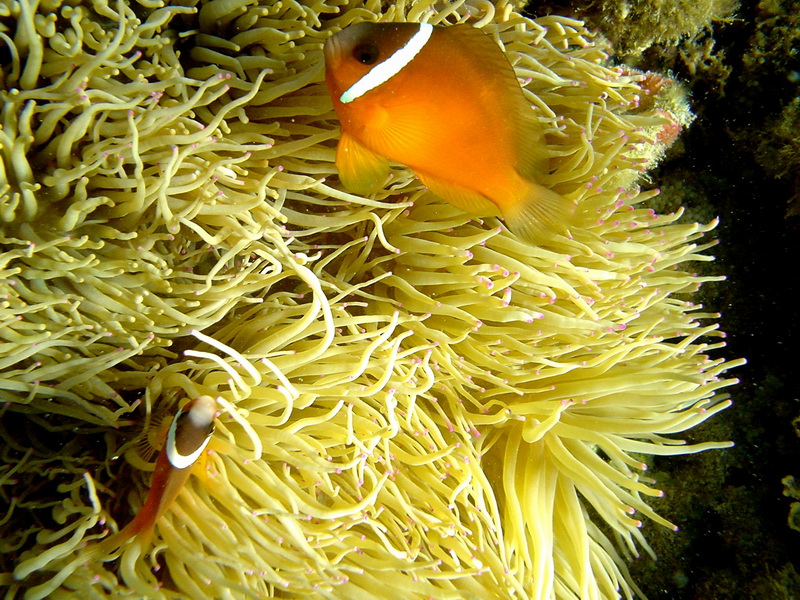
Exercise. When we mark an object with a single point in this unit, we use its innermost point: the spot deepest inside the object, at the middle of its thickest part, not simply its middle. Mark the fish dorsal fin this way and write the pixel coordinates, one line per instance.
(467, 200)
(487, 55)
(533, 157)
(360, 169)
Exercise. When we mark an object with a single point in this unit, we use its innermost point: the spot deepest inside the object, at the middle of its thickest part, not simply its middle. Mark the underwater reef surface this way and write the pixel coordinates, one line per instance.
(397, 380)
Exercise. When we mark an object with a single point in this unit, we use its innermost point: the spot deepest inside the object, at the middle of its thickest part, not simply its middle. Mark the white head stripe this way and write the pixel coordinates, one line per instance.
(177, 460)
(384, 71)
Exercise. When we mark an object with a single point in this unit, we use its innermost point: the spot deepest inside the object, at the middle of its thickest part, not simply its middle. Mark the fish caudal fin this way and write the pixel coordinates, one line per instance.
(540, 214)
(360, 170)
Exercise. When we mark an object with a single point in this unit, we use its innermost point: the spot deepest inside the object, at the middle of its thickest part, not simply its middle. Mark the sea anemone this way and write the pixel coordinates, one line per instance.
(414, 402)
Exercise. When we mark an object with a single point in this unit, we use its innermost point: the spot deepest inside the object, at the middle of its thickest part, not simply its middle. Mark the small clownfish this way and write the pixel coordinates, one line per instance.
(187, 437)
(445, 102)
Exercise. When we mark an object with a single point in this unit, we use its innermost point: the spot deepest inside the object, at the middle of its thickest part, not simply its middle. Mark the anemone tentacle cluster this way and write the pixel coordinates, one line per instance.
(414, 402)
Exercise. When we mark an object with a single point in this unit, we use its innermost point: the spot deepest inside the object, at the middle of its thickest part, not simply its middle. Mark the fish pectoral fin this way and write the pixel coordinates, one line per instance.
(467, 200)
(361, 170)
(540, 214)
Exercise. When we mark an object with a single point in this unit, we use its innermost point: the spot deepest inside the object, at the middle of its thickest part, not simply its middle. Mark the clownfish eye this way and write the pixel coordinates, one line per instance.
(366, 53)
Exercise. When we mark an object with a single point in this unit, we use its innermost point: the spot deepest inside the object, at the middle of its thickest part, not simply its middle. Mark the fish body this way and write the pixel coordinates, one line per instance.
(187, 437)
(445, 102)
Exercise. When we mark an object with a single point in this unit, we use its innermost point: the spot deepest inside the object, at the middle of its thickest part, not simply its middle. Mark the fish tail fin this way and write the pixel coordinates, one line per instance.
(106, 548)
(109, 545)
(540, 214)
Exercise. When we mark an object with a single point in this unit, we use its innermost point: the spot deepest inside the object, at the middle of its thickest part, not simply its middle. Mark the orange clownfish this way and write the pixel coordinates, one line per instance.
(187, 437)
(445, 102)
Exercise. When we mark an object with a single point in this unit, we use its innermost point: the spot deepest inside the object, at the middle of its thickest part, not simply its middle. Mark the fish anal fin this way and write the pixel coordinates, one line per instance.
(467, 200)
(540, 214)
(361, 170)
(533, 157)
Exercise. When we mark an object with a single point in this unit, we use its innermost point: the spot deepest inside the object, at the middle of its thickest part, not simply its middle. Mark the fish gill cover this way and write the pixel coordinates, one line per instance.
(412, 401)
